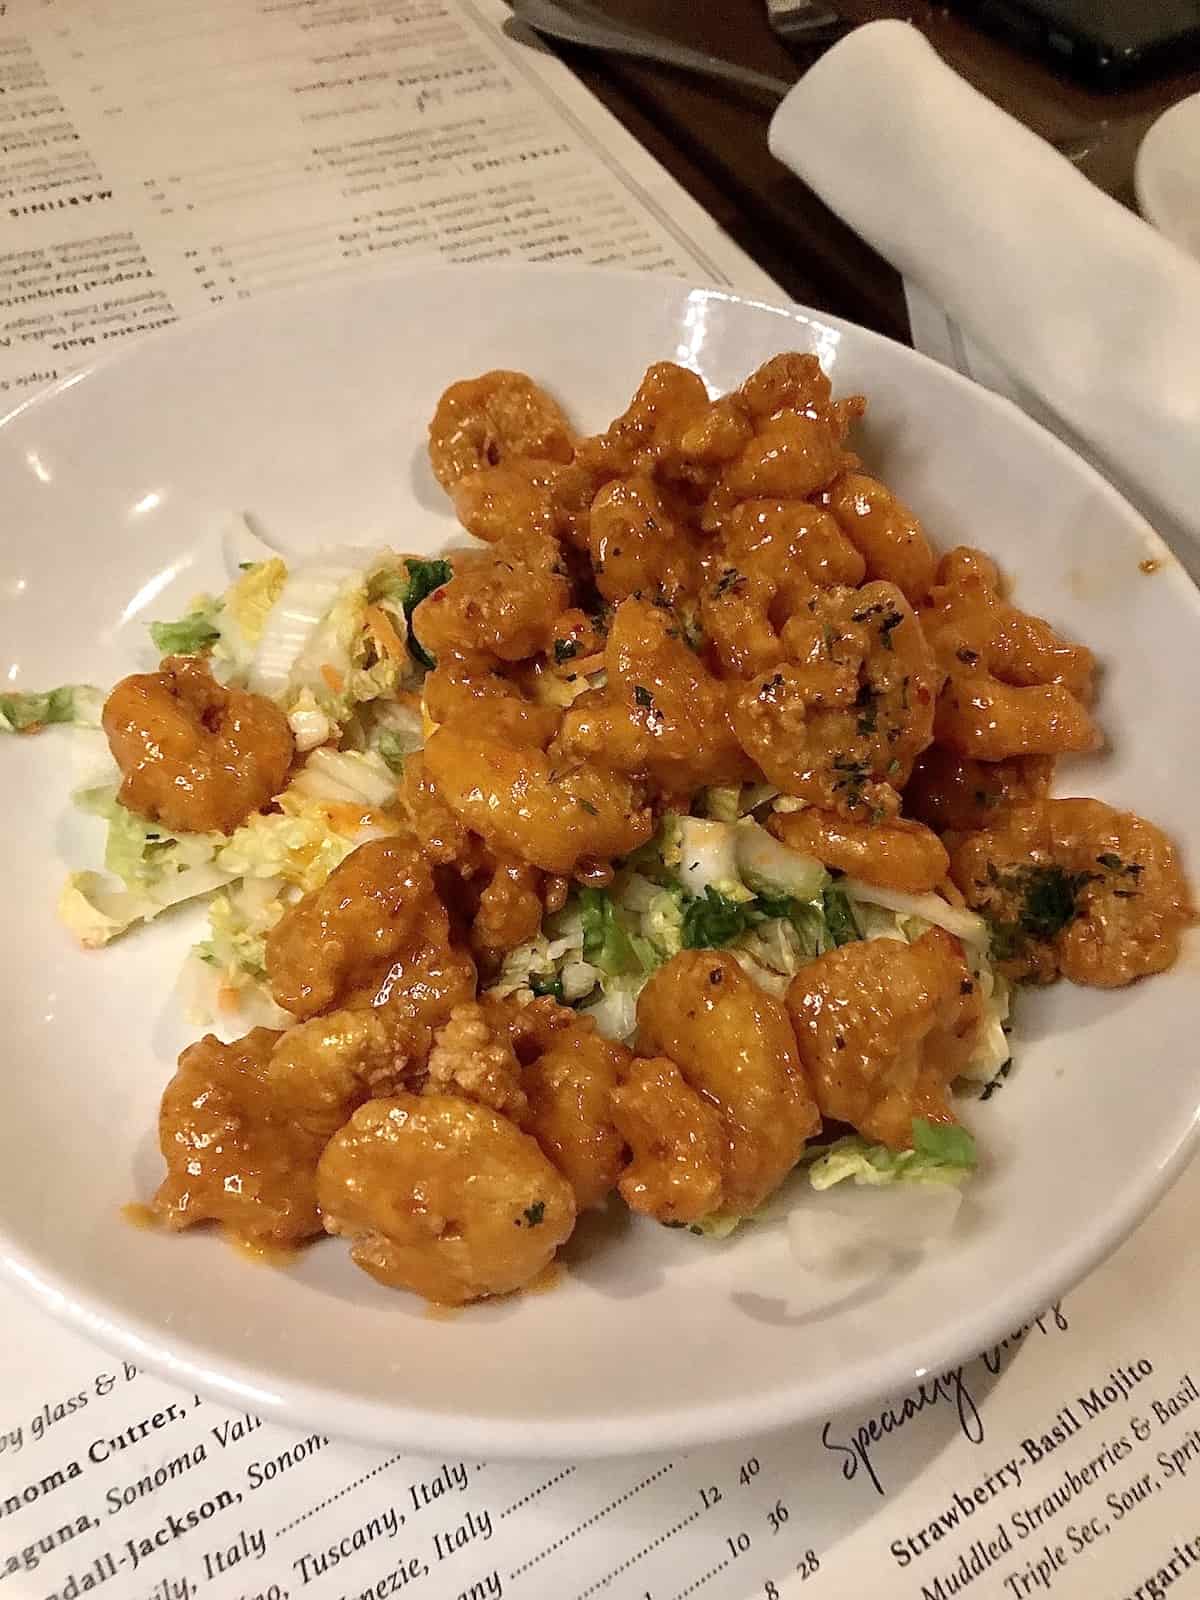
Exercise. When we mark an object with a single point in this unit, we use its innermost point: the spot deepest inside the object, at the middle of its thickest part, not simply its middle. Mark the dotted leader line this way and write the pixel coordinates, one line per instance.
(320, 1506)
(700, 1582)
(633, 1560)
(583, 1526)
(533, 1493)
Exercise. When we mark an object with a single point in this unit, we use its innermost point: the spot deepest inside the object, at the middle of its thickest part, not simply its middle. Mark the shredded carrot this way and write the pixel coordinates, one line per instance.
(950, 891)
(384, 633)
(227, 997)
(333, 678)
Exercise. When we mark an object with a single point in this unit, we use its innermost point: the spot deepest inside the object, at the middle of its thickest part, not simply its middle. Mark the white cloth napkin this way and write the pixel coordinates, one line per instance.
(1091, 309)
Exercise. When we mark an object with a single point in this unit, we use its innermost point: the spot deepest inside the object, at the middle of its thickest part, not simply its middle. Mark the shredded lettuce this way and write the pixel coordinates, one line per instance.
(75, 705)
(227, 973)
(350, 777)
(299, 844)
(608, 942)
(191, 634)
(771, 868)
(156, 869)
(839, 917)
(940, 1154)
(708, 859)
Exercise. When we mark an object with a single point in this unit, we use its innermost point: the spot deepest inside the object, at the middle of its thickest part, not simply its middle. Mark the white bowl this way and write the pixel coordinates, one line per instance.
(309, 410)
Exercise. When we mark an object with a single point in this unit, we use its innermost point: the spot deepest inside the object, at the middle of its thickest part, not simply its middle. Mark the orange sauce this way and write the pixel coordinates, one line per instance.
(438, 1313)
(1150, 566)
(139, 1215)
(266, 1255)
(551, 1275)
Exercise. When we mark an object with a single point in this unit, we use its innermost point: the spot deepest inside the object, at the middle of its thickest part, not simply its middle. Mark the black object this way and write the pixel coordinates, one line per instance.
(1107, 43)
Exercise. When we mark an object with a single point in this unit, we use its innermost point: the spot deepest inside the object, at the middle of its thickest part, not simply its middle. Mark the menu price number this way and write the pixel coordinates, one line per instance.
(807, 1567)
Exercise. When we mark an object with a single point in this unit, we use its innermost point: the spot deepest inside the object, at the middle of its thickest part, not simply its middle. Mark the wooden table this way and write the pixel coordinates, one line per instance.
(714, 139)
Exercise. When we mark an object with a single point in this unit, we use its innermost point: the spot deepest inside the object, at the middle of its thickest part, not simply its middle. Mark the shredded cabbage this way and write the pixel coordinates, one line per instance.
(155, 869)
(75, 705)
(939, 1154)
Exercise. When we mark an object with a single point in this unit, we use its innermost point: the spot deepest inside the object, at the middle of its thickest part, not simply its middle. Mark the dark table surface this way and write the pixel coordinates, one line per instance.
(713, 139)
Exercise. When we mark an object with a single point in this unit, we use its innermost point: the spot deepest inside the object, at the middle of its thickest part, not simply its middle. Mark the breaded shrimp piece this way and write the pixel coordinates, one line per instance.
(484, 421)
(235, 1154)
(661, 713)
(1078, 888)
(195, 756)
(887, 534)
(948, 791)
(678, 1142)
(734, 1045)
(568, 1071)
(841, 720)
(897, 853)
(500, 605)
(640, 543)
(883, 1030)
(444, 1197)
(524, 805)
(379, 902)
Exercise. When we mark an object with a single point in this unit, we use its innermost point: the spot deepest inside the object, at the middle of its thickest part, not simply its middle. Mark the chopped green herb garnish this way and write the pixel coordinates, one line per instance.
(549, 985)
(565, 650)
(713, 920)
(643, 696)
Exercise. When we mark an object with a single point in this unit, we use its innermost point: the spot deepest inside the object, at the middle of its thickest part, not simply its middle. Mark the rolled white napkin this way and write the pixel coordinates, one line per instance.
(1091, 309)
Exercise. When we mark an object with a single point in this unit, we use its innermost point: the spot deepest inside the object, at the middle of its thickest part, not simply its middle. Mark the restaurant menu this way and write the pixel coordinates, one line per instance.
(157, 159)
(162, 157)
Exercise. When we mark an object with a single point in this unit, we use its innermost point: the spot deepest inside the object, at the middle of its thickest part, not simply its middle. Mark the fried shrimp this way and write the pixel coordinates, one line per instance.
(701, 737)
(444, 1197)
(1078, 888)
(525, 500)
(235, 1154)
(679, 1146)
(648, 436)
(470, 694)
(474, 1059)
(320, 1070)
(897, 854)
(842, 719)
(952, 791)
(482, 422)
(774, 555)
(734, 1047)
(569, 1072)
(885, 532)
(500, 605)
(640, 543)
(661, 713)
(1014, 687)
(344, 935)
(883, 1030)
(551, 816)
(195, 756)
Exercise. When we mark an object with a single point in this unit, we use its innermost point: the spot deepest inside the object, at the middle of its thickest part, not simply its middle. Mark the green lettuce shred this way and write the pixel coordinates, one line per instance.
(75, 705)
(940, 1153)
